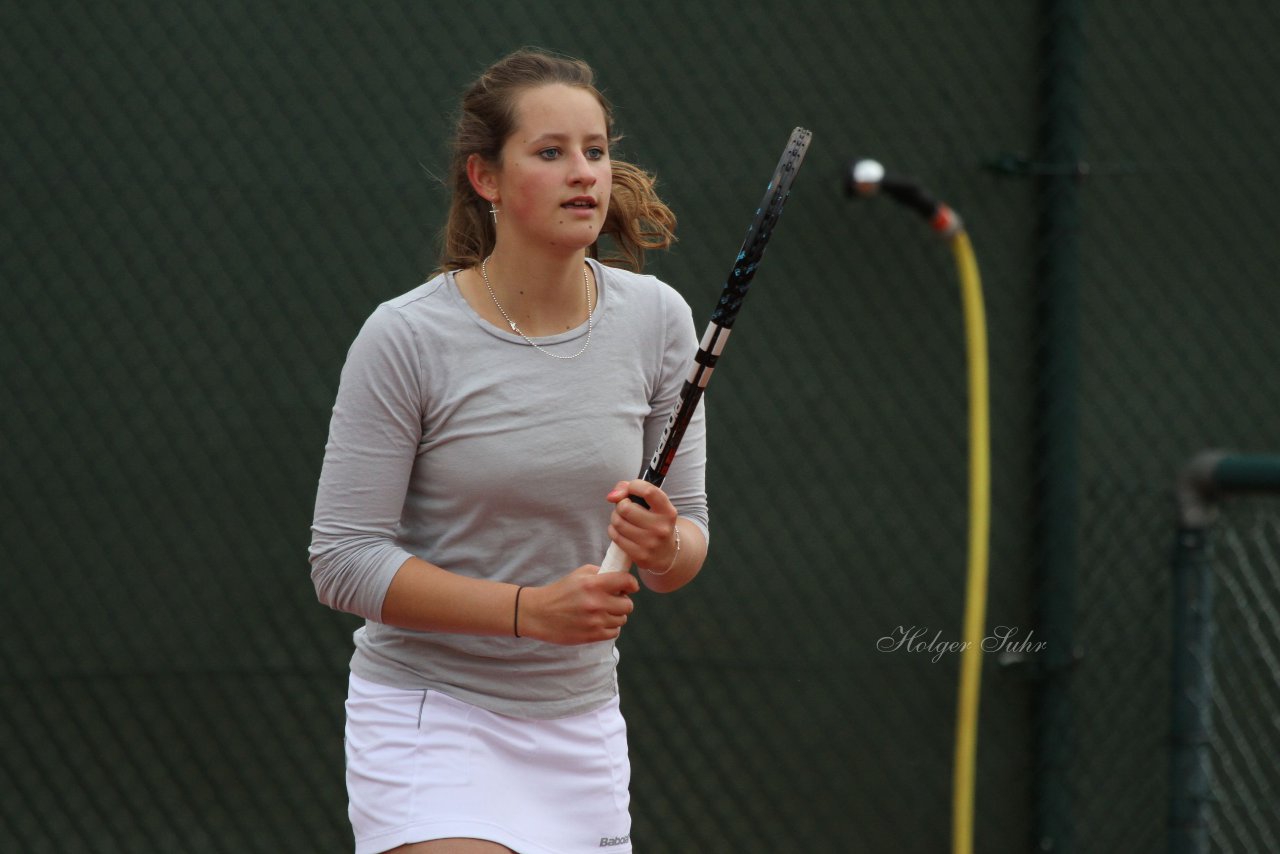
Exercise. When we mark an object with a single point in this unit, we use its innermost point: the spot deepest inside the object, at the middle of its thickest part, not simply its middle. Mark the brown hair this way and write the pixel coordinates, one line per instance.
(637, 220)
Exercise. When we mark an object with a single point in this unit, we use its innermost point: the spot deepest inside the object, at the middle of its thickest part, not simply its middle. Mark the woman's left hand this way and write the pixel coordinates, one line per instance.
(646, 535)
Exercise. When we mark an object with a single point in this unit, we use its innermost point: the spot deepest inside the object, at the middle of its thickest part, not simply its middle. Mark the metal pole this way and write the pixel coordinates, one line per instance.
(1057, 414)
(1192, 692)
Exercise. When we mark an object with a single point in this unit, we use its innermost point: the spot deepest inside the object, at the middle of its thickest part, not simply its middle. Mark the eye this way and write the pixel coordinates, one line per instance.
(596, 153)
(549, 153)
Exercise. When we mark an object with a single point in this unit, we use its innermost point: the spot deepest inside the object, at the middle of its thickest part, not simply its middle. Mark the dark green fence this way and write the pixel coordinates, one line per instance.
(204, 200)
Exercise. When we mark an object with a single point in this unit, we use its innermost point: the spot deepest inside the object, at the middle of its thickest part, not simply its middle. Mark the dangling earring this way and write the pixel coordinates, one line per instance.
(493, 211)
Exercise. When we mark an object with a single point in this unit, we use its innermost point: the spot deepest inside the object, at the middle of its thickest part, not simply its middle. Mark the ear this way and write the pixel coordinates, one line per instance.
(483, 177)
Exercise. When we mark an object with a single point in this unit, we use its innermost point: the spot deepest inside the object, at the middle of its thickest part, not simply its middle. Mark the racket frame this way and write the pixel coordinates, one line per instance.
(716, 336)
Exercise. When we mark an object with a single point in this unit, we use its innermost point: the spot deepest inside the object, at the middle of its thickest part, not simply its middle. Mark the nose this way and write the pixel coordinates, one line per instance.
(582, 174)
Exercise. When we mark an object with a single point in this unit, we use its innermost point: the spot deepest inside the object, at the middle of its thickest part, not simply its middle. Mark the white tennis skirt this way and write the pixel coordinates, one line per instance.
(422, 765)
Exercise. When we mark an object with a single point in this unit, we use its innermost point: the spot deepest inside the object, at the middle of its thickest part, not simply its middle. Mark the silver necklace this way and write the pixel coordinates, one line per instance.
(586, 281)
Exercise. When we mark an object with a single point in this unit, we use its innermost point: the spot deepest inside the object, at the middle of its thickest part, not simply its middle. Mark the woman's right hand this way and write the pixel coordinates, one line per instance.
(583, 607)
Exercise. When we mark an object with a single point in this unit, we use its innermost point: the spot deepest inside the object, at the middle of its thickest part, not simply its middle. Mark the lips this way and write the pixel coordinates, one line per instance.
(580, 203)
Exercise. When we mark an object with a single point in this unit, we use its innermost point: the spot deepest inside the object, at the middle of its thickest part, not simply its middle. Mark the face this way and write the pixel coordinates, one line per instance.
(552, 186)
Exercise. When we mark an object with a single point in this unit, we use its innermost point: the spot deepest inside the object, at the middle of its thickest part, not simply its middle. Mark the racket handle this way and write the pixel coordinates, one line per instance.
(615, 560)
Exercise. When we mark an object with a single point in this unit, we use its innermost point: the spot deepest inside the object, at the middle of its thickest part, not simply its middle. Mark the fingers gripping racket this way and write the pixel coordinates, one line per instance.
(717, 333)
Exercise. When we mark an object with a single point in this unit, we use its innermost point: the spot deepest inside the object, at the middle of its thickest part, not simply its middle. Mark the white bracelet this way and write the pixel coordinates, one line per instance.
(676, 531)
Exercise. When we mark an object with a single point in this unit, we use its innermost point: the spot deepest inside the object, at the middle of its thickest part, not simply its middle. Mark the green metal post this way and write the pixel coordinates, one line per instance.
(1060, 156)
(1192, 690)
(1192, 677)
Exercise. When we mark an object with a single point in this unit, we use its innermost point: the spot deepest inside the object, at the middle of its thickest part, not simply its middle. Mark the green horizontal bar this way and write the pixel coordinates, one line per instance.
(1247, 473)
(1211, 476)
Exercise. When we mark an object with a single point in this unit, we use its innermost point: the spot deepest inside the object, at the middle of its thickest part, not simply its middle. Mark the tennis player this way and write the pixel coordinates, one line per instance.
(480, 455)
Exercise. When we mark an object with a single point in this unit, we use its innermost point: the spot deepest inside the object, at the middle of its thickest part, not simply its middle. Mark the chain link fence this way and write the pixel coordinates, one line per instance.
(1226, 657)
(1176, 325)
(1246, 703)
(205, 200)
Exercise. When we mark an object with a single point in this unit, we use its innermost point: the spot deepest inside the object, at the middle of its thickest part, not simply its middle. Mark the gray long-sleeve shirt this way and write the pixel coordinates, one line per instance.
(457, 442)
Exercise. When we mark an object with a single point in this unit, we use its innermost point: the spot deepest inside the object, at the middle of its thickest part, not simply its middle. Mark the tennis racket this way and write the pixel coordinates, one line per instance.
(717, 333)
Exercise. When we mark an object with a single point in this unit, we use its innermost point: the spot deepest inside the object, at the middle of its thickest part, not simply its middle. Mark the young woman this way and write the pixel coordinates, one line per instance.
(486, 428)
